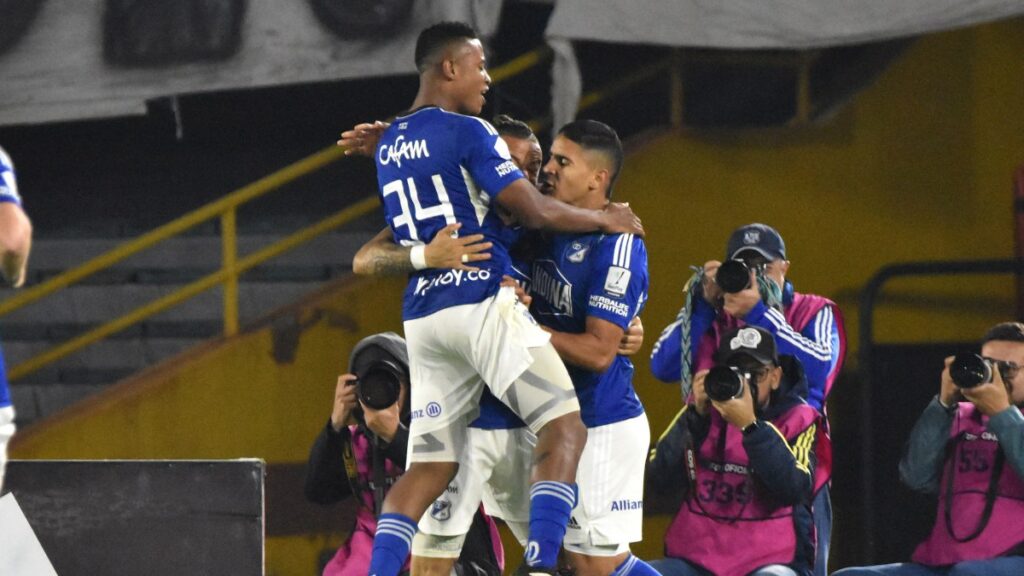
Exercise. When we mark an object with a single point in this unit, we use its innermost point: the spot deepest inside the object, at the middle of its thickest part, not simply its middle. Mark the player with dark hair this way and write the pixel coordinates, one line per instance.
(438, 167)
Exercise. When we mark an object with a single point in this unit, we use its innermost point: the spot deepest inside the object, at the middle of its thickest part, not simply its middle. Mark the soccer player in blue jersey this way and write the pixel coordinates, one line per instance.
(436, 167)
(495, 469)
(586, 289)
(15, 244)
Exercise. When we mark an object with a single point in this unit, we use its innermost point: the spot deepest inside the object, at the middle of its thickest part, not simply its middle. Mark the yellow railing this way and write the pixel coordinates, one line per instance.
(226, 209)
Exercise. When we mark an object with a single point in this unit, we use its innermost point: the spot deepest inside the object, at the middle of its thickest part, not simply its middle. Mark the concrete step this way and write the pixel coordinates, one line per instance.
(97, 304)
(132, 354)
(194, 252)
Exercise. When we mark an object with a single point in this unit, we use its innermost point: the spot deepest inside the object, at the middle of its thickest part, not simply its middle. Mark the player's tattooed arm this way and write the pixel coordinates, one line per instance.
(381, 256)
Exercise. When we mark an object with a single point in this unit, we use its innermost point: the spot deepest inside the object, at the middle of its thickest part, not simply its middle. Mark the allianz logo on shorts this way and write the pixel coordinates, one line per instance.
(619, 505)
(433, 410)
(450, 278)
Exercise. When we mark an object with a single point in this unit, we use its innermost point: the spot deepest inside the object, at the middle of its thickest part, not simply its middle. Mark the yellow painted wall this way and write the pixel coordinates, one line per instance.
(918, 167)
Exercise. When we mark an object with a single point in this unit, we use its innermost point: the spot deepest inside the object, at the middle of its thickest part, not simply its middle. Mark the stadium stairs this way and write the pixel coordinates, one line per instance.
(139, 280)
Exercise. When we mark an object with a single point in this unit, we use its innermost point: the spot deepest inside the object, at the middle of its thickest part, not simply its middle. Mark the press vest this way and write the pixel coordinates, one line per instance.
(968, 483)
(353, 558)
(798, 313)
(728, 524)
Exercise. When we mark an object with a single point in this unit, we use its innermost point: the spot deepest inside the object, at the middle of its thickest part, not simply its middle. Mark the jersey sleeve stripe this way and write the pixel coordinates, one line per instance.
(817, 350)
(487, 125)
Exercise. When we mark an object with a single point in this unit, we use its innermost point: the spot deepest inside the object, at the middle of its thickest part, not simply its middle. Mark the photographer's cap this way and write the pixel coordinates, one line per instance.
(761, 238)
(757, 343)
(386, 346)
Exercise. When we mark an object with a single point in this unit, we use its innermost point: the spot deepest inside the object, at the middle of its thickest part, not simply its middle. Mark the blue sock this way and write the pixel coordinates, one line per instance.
(391, 544)
(550, 506)
(633, 566)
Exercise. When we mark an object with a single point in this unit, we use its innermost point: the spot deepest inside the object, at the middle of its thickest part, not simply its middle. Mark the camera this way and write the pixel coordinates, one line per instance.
(724, 383)
(378, 386)
(971, 370)
(734, 275)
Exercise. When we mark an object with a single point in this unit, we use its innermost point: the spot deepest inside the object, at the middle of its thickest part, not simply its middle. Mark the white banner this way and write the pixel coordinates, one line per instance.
(57, 72)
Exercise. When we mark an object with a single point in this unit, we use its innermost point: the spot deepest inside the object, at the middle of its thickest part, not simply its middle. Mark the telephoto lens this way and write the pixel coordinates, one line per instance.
(733, 276)
(724, 383)
(378, 388)
(970, 370)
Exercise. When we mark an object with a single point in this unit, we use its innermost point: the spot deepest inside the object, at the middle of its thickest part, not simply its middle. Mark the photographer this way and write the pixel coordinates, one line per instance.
(746, 444)
(968, 447)
(806, 326)
(362, 452)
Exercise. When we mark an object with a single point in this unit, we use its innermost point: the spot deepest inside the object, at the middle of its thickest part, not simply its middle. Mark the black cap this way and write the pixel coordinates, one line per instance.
(757, 343)
(386, 348)
(761, 238)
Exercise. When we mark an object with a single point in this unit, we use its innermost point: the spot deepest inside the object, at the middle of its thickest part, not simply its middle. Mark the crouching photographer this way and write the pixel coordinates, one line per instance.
(968, 447)
(361, 452)
(746, 443)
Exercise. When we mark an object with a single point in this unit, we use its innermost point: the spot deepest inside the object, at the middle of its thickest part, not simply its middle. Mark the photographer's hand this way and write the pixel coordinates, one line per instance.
(738, 411)
(740, 304)
(949, 392)
(383, 423)
(991, 398)
(712, 293)
(344, 402)
(700, 397)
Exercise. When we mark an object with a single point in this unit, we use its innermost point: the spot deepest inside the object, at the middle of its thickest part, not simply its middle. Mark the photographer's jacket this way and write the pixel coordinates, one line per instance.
(748, 502)
(975, 465)
(340, 465)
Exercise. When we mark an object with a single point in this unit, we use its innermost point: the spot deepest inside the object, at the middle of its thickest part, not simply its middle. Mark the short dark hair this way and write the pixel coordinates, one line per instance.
(594, 135)
(1005, 331)
(436, 37)
(509, 126)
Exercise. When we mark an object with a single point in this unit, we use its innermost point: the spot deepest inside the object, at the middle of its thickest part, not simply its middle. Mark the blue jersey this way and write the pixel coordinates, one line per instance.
(8, 185)
(8, 193)
(5, 393)
(600, 276)
(436, 168)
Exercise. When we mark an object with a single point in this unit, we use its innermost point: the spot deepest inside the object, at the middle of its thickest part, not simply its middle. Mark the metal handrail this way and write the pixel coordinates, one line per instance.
(866, 343)
(226, 209)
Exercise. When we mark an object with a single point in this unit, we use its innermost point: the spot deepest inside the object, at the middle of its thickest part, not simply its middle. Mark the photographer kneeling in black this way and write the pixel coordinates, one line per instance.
(362, 451)
(749, 463)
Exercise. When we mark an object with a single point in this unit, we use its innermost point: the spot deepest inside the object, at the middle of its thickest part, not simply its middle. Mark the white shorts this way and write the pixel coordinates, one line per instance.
(495, 471)
(7, 429)
(454, 352)
(610, 476)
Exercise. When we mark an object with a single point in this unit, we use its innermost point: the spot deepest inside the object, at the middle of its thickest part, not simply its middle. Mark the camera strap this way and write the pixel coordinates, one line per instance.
(990, 493)
(352, 469)
(378, 473)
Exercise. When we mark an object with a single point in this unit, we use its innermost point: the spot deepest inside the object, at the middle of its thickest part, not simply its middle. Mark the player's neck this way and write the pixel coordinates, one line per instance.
(430, 96)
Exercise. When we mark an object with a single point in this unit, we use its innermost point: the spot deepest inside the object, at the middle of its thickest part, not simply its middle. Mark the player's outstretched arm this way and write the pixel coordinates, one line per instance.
(382, 257)
(535, 210)
(15, 243)
(362, 139)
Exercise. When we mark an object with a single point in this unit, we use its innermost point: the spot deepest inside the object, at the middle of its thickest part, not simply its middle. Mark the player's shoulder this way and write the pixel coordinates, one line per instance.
(622, 249)
(471, 124)
(5, 161)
